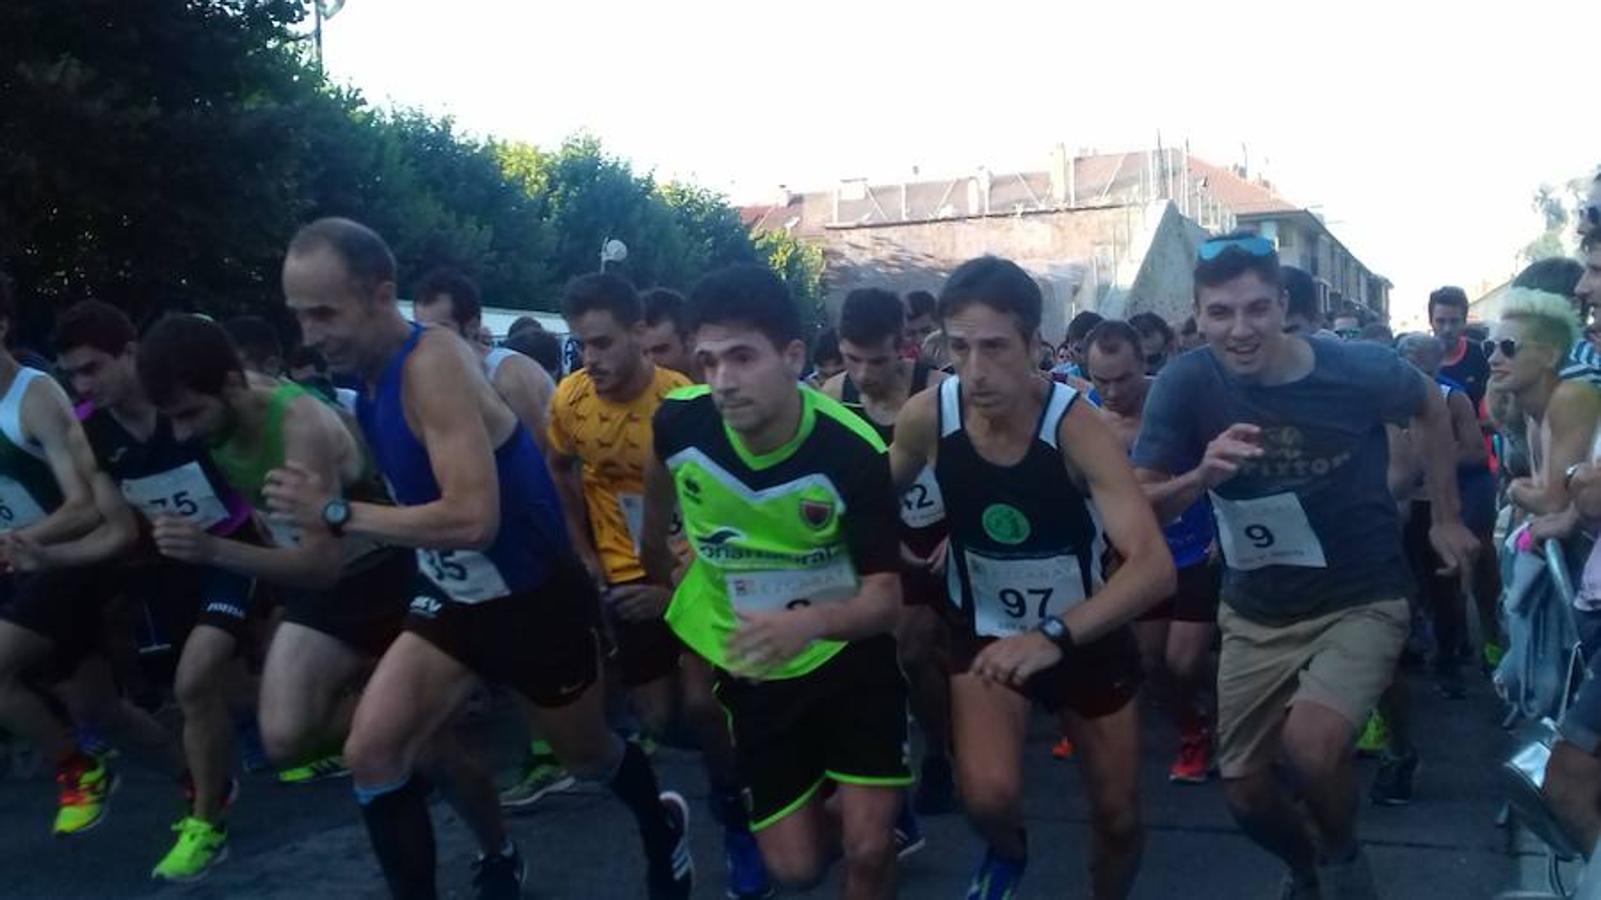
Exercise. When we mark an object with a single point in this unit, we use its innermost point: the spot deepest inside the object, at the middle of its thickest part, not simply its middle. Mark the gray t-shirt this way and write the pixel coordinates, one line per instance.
(1310, 527)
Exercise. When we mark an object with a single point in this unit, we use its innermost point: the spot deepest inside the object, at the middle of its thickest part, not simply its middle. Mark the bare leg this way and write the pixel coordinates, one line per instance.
(1111, 753)
(92, 696)
(1573, 788)
(23, 711)
(1318, 742)
(202, 686)
(302, 691)
(867, 832)
(990, 725)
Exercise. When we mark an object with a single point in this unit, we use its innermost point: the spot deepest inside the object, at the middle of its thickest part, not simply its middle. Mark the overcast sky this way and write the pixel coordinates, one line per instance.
(1419, 131)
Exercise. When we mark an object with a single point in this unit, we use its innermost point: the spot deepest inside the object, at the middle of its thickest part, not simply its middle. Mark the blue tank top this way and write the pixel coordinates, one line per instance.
(531, 538)
(1190, 534)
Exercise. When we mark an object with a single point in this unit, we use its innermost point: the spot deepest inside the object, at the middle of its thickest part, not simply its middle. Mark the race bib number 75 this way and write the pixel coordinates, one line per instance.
(1266, 531)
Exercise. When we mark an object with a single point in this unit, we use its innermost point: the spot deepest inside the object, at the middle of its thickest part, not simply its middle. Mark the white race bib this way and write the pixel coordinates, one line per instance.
(184, 492)
(1267, 531)
(465, 575)
(17, 507)
(922, 505)
(770, 589)
(633, 509)
(1011, 596)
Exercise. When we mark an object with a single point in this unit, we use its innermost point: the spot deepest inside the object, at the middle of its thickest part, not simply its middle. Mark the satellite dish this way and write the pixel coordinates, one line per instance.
(613, 251)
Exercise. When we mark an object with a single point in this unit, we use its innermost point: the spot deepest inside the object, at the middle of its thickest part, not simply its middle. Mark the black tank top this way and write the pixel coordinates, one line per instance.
(1025, 541)
(922, 508)
(163, 475)
(851, 396)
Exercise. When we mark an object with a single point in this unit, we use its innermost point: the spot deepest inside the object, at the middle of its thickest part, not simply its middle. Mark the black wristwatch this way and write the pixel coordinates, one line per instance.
(336, 515)
(1054, 628)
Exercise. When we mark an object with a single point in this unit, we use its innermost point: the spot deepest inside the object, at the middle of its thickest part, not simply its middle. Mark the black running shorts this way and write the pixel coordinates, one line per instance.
(1194, 600)
(1095, 680)
(366, 608)
(66, 607)
(641, 652)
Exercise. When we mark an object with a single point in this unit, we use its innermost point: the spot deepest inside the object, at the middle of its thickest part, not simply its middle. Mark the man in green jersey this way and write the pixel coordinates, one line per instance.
(788, 506)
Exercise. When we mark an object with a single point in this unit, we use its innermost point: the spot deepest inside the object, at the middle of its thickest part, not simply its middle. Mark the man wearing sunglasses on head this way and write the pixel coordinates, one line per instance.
(1287, 436)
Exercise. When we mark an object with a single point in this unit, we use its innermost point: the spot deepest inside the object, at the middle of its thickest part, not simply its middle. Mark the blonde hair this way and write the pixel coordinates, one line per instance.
(1549, 317)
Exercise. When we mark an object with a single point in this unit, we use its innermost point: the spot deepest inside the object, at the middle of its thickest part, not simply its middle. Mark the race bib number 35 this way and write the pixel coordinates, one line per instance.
(1011, 596)
(1267, 531)
(770, 589)
(465, 575)
(184, 492)
(17, 507)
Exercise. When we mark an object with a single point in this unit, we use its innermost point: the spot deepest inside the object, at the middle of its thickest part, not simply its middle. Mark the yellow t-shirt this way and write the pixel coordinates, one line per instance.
(612, 442)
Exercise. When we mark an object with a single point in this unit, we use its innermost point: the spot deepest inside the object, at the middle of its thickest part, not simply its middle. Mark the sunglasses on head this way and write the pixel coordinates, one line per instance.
(1507, 346)
(1255, 245)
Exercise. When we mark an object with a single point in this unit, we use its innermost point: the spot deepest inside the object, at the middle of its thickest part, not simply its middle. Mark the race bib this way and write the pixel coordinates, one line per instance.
(464, 575)
(633, 509)
(1267, 531)
(18, 509)
(922, 505)
(184, 492)
(770, 589)
(1012, 596)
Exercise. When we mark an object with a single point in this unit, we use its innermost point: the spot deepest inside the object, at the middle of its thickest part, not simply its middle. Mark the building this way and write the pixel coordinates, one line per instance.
(1113, 233)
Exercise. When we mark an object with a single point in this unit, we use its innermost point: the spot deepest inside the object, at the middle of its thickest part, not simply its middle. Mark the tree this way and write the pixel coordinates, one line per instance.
(1554, 203)
(801, 265)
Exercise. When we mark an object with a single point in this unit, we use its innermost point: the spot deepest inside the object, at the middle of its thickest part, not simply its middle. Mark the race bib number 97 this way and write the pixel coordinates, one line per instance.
(184, 492)
(464, 575)
(763, 590)
(1267, 531)
(1012, 596)
(18, 509)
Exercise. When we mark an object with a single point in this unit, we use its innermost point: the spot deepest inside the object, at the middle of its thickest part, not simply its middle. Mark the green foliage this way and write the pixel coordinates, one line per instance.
(801, 266)
(1554, 204)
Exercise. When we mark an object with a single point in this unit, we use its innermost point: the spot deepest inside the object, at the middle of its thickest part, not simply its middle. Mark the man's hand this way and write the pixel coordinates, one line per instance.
(1224, 455)
(181, 540)
(1455, 545)
(21, 553)
(1013, 660)
(296, 495)
(639, 602)
(1554, 527)
(765, 639)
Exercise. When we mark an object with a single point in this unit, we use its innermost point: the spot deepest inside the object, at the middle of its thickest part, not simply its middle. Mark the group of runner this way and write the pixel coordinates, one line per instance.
(780, 567)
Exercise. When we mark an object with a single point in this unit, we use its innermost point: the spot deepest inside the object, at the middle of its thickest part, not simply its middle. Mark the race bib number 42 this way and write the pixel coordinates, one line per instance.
(1012, 596)
(465, 575)
(771, 589)
(1267, 531)
(18, 509)
(922, 505)
(184, 492)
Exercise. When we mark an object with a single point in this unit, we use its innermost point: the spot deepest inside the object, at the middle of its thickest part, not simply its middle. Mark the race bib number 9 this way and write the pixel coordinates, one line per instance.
(18, 509)
(763, 590)
(922, 505)
(464, 575)
(1267, 531)
(1012, 596)
(184, 492)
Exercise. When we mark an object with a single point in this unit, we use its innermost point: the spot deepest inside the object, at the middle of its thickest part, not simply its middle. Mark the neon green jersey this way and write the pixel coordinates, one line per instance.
(795, 526)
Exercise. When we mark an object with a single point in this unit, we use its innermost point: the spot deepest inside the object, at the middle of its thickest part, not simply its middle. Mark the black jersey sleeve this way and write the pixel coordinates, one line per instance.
(872, 510)
(678, 421)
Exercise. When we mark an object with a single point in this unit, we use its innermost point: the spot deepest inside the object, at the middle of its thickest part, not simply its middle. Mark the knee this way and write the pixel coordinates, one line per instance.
(373, 759)
(871, 849)
(1118, 823)
(198, 692)
(1316, 754)
(1572, 777)
(1248, 795)
(991, 796)
(283, 736)
(591, 761)
(792, 870)
(1186, 664)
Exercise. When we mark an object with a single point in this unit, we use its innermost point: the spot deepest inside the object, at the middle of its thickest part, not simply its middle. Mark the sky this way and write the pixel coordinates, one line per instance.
(1419, 130)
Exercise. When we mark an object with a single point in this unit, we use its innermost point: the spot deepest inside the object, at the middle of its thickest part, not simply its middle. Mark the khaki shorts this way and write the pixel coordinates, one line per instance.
(1343, 660)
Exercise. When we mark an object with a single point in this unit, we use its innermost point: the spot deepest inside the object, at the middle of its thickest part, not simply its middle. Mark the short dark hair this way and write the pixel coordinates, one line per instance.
(1150, 323)
(1554, 275)
(997, 283)
(870, 315)
(826, 346)
(186, 351)
(1378, 332)
(750, 294)
(601, 292)
(254, 338)
(1111, 334)
(1300, 293)
(1082, 324)
(365, 255)
(465, 303)
(1449, 295)
(524, 323)
(94, 324)
(1232, 261)
(1189, 326)
(665, 303)
(920, 303)
(542, 346)
(308, 356)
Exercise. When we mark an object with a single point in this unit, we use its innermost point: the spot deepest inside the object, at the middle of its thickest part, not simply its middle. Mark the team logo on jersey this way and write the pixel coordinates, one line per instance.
(426, 607)
(720, 537)
(1005, 524)
(817, 513)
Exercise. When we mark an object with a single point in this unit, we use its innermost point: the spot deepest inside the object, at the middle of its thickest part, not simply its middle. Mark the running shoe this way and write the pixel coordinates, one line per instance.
(1392, 786)
(674, 877)
(541, 777)
(86, 784)
(1062, 749)
(201, 846)
(997, 878)
(500, 877)
(1349, 880)
(908, 834)
(316, 770)
(747, 873)
(1375, 738)
(1493, 652)
(91, 741)
(1194, 762)
(936, 788)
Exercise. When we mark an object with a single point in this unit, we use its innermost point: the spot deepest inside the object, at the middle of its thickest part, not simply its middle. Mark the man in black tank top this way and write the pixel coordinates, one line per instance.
(1030, 475)
(876, 383)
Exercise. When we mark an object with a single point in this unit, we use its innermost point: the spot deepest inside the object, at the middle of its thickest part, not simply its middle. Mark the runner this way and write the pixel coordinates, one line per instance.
(506, 601)
(920, 321)
(1286, 434)
(1029, 476)
(1176, 635)
(666, 335)
(1464, 362)
(1304, 315)
(164, 477)
(787, 502)
(826, 360)
(1156, 340)
(875, 385)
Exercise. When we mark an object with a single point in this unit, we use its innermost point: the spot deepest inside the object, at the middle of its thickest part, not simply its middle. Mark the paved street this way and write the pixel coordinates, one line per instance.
(303, 843)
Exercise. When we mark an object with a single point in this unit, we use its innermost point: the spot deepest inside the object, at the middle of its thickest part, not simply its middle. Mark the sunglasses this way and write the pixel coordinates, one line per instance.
(1349, 334)
(1253, 244)
(1590, 215)
(1507, 346)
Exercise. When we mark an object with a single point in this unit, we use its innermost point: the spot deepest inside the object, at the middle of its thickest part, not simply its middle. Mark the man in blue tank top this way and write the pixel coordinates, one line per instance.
(1030, 476)
(506, 599)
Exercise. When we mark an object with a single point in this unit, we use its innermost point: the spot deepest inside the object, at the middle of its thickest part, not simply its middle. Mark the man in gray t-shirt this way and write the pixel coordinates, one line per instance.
(1290, 434)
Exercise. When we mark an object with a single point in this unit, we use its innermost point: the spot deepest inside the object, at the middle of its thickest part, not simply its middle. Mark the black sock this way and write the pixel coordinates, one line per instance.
(402, 837)
(635, 785)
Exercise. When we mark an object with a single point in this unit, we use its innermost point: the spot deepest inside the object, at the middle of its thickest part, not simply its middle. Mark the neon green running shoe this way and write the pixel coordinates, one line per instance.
(1375, 737)
(1493, 653)
(85, 784)
(316, 770)
(201, 845)
(541, 777)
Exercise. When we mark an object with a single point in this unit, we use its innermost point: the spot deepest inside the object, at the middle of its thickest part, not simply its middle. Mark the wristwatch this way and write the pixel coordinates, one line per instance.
(336, 515)
(1567, 477)
(1057, 631)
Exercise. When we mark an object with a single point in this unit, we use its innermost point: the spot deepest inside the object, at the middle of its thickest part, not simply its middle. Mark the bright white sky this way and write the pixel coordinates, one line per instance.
(1420, 130)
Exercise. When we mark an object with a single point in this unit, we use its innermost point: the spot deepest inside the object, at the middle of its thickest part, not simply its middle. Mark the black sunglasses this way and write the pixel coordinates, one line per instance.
(1507, 346)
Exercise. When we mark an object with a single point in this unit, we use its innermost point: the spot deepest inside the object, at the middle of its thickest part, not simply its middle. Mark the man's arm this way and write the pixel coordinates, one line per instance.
(1465, 426)
(566, 472)
(527, 388)
(1570, 419)
(915, 441)
(656, 523)
(1436, 445)
(47, 418)
(1170, 495)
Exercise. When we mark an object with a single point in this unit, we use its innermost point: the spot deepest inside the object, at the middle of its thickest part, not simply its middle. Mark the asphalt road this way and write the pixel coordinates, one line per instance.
(306, 842)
